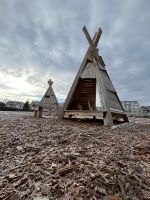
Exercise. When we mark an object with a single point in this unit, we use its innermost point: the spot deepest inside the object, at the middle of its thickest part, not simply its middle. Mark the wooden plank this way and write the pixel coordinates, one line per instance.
(86, 111)
(88, 72)
(114, 102)
(116, 111)
(120, 115)
(107, 82)
(108, 121)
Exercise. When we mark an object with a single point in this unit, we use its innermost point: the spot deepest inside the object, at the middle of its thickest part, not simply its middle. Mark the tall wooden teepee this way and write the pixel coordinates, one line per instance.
(48, 101)
(81, 99)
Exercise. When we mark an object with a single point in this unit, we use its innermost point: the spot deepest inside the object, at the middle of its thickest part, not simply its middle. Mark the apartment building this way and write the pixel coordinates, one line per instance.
(145, 111)
(131, 107)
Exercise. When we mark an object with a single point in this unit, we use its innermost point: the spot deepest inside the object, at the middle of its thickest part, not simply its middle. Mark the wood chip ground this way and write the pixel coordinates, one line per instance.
(45, 159)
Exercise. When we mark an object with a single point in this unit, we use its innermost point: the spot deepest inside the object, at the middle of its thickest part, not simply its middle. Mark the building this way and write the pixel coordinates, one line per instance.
(14, 104)
(145, 111)
(2, 105)
(131, 107)
(34, 105)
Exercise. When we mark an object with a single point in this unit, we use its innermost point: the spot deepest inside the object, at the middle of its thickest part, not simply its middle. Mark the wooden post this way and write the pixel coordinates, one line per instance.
(125, 118)
(35, 113)
(40, 112)
(49, 110)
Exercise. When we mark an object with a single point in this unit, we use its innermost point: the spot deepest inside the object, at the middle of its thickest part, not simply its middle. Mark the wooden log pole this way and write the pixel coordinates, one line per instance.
(93, 48)
(40, 112)
(35, 113)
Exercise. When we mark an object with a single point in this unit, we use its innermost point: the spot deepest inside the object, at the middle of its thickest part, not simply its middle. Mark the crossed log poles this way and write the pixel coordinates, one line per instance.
(99, 65)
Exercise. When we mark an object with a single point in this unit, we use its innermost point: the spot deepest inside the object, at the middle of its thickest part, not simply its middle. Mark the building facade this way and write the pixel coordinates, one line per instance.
(145, 111)
(34, 105)
(131, 107)
(14, 104)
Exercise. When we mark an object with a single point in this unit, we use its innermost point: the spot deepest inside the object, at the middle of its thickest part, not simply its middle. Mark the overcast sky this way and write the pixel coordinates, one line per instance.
(42, 39)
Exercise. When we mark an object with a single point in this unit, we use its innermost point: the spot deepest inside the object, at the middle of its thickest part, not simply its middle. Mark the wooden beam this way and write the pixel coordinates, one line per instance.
(35, 113)
(95, 52)
(40, 112)
(108, 121)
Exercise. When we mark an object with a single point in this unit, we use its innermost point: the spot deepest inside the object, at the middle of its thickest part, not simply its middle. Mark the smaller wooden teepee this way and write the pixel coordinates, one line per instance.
(48, 102)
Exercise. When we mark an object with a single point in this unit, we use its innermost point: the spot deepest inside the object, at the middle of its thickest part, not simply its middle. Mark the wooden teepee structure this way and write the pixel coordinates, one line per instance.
(81, 99)
(48, 101)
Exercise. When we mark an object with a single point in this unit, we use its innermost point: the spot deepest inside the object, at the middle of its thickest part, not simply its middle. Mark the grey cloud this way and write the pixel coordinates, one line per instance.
(46, 38)
(4, 87)
(126, 50)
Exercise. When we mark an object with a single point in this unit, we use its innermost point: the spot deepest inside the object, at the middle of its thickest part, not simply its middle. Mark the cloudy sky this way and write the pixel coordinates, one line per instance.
(42, 39)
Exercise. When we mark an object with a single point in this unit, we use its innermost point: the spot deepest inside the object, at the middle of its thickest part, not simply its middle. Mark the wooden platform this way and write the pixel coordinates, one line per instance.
(116, 114)
(84, 113)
